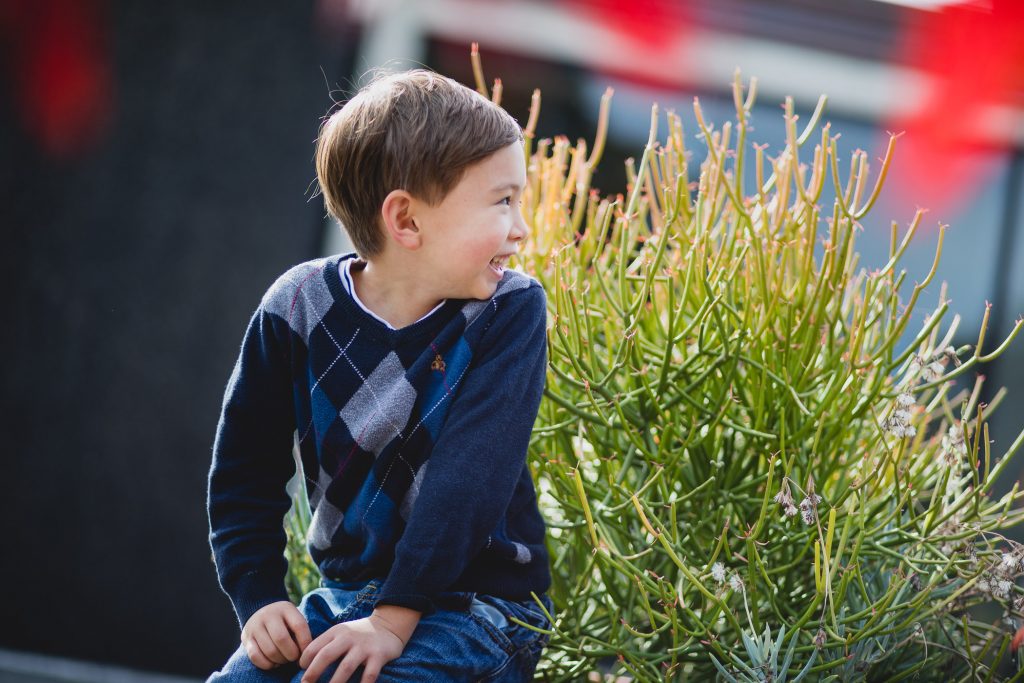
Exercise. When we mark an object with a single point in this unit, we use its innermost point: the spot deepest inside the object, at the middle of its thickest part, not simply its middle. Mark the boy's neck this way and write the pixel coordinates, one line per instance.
(395, 294)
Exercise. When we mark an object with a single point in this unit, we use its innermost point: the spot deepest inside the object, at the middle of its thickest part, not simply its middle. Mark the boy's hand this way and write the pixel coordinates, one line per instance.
(373, 642)
(275, 634)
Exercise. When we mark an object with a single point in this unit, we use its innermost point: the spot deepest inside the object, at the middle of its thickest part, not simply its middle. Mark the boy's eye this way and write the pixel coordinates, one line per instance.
(507, 201)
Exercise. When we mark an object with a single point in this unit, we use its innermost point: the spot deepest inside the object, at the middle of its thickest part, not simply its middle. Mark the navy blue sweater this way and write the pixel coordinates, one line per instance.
(412, 444)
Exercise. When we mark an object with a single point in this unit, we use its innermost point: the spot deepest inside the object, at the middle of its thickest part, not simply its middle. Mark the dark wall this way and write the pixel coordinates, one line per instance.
(130, 272)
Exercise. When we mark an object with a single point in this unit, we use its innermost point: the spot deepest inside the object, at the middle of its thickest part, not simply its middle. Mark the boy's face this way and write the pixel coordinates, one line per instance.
(469, 236)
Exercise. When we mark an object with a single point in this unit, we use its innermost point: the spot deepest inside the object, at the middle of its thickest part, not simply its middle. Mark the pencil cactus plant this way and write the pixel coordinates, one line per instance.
(736, 437)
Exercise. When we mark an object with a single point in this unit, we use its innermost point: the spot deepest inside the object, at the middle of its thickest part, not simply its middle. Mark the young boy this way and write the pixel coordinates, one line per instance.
(409, 376)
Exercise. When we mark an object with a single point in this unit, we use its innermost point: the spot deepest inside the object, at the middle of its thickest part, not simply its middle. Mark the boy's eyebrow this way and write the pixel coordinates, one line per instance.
(506, 186)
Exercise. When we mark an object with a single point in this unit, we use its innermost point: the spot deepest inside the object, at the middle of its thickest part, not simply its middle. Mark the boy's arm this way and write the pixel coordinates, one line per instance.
(478, 458)
(252, 464)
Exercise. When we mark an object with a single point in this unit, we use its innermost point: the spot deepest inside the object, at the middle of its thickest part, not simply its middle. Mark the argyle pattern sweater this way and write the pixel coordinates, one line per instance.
(412, 444)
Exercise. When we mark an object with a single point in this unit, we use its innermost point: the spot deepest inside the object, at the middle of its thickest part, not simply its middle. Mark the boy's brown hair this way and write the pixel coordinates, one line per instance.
(416, 131)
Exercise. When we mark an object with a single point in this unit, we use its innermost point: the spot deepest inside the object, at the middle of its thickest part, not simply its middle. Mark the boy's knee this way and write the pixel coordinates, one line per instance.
(240, 669)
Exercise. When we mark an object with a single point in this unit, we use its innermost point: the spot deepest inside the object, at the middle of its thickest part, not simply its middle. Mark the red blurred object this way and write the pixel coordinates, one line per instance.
(974, 57)
(1018, 639)
(57, 52)
(651, 29)
(648, 24)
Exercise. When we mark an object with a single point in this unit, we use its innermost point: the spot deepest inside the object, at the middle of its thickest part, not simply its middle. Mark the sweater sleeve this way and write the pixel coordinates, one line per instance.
(478, 458)
(252, 463)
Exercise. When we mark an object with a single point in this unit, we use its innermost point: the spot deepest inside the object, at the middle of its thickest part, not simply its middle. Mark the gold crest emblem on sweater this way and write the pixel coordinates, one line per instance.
(438, 363)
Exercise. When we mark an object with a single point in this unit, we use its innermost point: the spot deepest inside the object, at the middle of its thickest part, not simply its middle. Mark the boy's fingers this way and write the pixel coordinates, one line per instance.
(372, 671)
(267, 646)
(282, 638)
(298, 625)
(310, 651)
(328, 654)
(256, 656)
(310, 674)
(347, 667)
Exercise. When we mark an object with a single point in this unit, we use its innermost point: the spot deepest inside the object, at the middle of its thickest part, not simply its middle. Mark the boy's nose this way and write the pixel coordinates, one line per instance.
(518, 230)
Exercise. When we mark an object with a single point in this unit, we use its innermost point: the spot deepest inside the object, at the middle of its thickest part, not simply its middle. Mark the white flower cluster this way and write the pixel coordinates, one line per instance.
(996, 587)
(931, 368)
(1009, 562)
(718, 573)
(926, 369)
(947, 530)
(898, 423)
(953, 447)
(998, 580)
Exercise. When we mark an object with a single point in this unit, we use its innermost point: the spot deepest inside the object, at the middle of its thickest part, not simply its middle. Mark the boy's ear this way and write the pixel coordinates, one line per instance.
(399, 221)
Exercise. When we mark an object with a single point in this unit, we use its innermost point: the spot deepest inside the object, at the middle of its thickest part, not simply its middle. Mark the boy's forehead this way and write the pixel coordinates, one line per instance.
(505, 169)
(501, 172)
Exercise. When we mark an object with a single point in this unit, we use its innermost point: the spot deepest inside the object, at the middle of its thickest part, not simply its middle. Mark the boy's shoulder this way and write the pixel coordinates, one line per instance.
(301, 295)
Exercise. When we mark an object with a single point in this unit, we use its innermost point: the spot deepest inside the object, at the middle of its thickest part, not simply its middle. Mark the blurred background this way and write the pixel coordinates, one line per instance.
(156, 164)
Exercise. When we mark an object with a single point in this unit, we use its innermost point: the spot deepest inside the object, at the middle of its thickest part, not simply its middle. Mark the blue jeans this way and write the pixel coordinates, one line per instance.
(469, 638)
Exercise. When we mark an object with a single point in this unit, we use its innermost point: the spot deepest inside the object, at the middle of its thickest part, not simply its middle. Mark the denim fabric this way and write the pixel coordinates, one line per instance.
(471, 637)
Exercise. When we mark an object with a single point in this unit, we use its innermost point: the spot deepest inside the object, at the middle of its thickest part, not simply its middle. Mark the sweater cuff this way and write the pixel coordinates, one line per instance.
(420, 603)
(255, 590)
(395, 591)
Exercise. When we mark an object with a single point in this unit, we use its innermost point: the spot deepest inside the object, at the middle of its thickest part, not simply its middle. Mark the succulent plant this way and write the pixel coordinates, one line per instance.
(711, 375)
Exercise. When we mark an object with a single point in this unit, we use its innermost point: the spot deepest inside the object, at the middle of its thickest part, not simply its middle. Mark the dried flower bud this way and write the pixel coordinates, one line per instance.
(819, 638)
(905, 399)
(785, 499)
(735, 582)
(718, 572)
(807, 515)
(809, 508)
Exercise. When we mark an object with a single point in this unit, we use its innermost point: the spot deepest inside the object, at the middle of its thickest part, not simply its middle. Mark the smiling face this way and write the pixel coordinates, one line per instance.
(469, 236)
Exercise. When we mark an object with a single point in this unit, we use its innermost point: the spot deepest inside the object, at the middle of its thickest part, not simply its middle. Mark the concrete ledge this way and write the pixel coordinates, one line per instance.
(25, 667)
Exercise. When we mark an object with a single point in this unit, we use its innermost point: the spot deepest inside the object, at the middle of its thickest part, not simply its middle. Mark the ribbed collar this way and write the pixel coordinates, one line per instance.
(426, 327)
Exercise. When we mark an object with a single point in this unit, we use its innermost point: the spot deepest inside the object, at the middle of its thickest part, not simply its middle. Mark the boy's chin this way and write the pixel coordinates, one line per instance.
(482, 287)
(483, 291)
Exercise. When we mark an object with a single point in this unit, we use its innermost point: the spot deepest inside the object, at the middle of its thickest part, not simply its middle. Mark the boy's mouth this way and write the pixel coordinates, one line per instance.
(498, 264)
